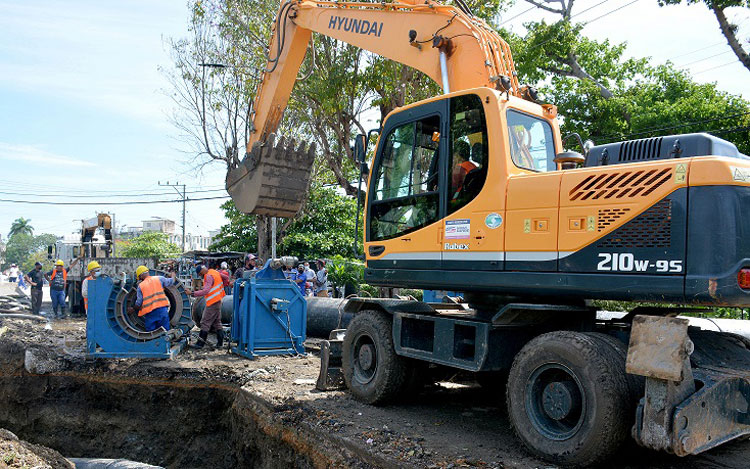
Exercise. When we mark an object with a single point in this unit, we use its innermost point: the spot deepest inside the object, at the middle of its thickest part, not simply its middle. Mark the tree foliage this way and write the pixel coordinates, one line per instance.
(150, 244)
(22, 245)
(324, 229)
(21, 226)
(604, 95)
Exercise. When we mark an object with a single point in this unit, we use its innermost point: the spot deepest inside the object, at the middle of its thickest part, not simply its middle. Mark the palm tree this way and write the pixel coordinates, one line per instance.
(21, 226)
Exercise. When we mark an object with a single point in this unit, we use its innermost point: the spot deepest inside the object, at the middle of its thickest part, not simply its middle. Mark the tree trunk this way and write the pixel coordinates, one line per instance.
(263, 227)
(729, 33)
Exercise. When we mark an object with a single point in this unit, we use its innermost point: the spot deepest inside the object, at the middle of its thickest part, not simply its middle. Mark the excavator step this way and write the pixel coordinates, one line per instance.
(272, 179)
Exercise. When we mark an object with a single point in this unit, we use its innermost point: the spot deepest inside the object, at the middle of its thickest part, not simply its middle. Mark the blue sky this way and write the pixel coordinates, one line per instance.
(82, 108)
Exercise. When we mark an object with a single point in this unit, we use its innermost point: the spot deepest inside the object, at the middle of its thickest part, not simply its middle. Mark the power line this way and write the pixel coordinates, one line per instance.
(714, 68)
(697, 50)
(706, 58)
(79, 196)
(659, 129)
(518, 15)
(586, 23)
(589, 8)
(132, 202)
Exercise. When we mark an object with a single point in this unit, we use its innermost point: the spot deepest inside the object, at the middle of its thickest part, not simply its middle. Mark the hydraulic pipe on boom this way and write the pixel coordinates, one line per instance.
(428, 36)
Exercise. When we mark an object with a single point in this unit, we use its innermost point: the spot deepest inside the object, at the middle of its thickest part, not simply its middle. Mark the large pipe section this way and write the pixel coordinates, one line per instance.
(323, 314)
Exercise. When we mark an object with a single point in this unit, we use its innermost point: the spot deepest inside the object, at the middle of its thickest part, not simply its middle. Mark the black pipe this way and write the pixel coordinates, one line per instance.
(323, 314)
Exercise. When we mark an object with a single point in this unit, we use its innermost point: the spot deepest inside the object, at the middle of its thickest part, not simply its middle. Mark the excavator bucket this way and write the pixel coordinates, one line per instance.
(273, 178)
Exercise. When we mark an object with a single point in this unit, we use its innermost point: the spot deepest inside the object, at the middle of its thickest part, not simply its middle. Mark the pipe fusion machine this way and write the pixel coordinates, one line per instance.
(112, 332)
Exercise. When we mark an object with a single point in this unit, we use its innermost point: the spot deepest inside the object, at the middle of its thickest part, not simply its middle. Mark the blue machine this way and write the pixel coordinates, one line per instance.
(112, 332)
(269, 314)
(436, 296)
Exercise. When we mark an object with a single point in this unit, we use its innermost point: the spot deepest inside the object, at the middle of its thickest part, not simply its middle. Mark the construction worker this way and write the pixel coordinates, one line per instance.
(213, 290)
(58, 283)
(95, 270)
(461, 166)
(35, 278)
(151, 302)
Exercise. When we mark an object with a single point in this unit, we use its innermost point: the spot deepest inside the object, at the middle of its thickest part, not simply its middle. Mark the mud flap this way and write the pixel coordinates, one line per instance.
(676, 415)
(272, 179)
(331, 376)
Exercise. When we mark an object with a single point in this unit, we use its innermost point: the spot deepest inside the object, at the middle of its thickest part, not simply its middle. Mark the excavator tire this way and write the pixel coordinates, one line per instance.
(272, 179)
(373, 372)
(565, 398)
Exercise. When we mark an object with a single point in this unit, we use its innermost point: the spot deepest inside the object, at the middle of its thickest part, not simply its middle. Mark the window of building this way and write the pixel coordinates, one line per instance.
(532, 145)
(468, 150)
(405, 195)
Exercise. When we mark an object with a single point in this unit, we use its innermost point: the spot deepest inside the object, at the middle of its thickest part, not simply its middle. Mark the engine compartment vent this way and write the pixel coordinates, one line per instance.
(609, 216)
(651, 229)
(640, 150)
(620, 184)
(661, 148)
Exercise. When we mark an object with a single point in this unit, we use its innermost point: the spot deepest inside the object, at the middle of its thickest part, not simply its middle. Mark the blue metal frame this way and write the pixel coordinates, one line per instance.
(105, 336)
(269, 315)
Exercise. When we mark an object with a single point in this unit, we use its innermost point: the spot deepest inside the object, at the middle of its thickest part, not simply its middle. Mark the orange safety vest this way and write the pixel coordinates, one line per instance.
(86, 300)
(468, 166)
(216, 293)
(153, 295)
(65, 277)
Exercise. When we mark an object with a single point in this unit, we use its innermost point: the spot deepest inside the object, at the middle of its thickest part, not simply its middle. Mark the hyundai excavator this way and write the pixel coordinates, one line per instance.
(473, 191)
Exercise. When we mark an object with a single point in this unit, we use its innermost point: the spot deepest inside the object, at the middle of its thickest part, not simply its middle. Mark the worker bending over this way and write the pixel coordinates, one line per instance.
(151, 302)
(213, 290)
(95, 270)
(58, 283)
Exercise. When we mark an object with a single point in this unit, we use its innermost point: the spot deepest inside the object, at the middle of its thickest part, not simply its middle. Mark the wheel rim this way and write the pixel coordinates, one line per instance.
(364, 358)
(555, 401)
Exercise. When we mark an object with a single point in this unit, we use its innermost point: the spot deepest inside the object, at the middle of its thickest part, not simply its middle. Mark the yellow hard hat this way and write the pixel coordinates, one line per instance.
(59, 262)
(93, 265)
(140, 270)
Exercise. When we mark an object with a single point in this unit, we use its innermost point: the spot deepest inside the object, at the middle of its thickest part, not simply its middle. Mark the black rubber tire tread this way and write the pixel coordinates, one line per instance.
(597, 366)
(636, 384)
(392, 371)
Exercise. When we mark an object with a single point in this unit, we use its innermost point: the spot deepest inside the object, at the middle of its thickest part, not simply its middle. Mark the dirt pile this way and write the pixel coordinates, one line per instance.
(15, 453)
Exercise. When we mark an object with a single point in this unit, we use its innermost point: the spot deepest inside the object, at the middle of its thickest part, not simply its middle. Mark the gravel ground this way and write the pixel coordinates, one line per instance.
(15, 453)
(448, 425)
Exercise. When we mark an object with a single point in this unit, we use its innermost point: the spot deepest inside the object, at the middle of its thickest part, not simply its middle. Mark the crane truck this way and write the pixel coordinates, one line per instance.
(473, 191)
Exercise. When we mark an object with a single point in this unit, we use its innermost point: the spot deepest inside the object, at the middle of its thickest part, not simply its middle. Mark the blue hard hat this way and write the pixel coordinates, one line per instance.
(198, 269)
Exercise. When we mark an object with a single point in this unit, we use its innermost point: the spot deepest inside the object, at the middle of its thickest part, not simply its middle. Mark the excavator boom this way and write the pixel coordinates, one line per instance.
(454, 48)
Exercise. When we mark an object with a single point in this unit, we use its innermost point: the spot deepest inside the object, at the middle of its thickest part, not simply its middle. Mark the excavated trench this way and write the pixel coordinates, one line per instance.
(160, 421)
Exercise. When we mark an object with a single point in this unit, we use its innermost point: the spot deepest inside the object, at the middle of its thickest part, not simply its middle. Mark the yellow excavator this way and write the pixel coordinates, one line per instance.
(472, 191)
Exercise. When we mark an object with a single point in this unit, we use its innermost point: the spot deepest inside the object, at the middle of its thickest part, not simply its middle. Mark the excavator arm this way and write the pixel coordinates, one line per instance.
(457, 50)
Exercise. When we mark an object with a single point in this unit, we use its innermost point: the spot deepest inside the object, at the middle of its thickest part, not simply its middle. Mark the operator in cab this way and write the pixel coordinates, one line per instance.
(213, 290)
(151, 302)
(461, 166)
(95, 270)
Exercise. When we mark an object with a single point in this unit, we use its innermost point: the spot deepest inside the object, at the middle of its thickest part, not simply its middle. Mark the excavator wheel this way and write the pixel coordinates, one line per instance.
(564, 397)
(273, 179)
(373, 372)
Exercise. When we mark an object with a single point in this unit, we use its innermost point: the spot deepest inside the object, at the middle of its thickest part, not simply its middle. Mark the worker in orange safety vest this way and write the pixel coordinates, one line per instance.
(151, 302)
(213, 291)
(58, 283)
(95, 270)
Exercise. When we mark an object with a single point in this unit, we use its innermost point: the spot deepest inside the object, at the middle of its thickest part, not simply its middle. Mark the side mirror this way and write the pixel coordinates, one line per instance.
(76, 251)
(49, 253)
(569, 159)
(360, 148)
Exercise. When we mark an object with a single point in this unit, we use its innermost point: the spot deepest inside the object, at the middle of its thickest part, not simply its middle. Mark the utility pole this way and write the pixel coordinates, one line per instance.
(184, 200)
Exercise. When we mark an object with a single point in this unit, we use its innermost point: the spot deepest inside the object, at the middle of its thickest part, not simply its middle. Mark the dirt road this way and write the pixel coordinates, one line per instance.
(451, 424)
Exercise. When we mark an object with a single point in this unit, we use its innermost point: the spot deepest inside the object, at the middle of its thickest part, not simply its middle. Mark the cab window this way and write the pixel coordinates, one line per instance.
(405, 195)
(468, 150)
(531, 143)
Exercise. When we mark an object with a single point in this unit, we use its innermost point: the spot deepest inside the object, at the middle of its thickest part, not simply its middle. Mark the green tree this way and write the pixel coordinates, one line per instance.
(325, 228)
(728, 29)
(21, 226)
(38, 256)
(150, 244)
(602, 94)
(20, 246)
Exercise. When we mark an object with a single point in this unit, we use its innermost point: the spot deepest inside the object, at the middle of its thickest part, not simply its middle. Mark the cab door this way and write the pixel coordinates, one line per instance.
(405, 204)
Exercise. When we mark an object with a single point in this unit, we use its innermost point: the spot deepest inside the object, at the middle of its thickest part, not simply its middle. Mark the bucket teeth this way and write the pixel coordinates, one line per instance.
(273, 178)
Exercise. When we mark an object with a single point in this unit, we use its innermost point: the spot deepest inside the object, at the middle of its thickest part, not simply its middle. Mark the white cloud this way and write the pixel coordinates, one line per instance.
(20, 153)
